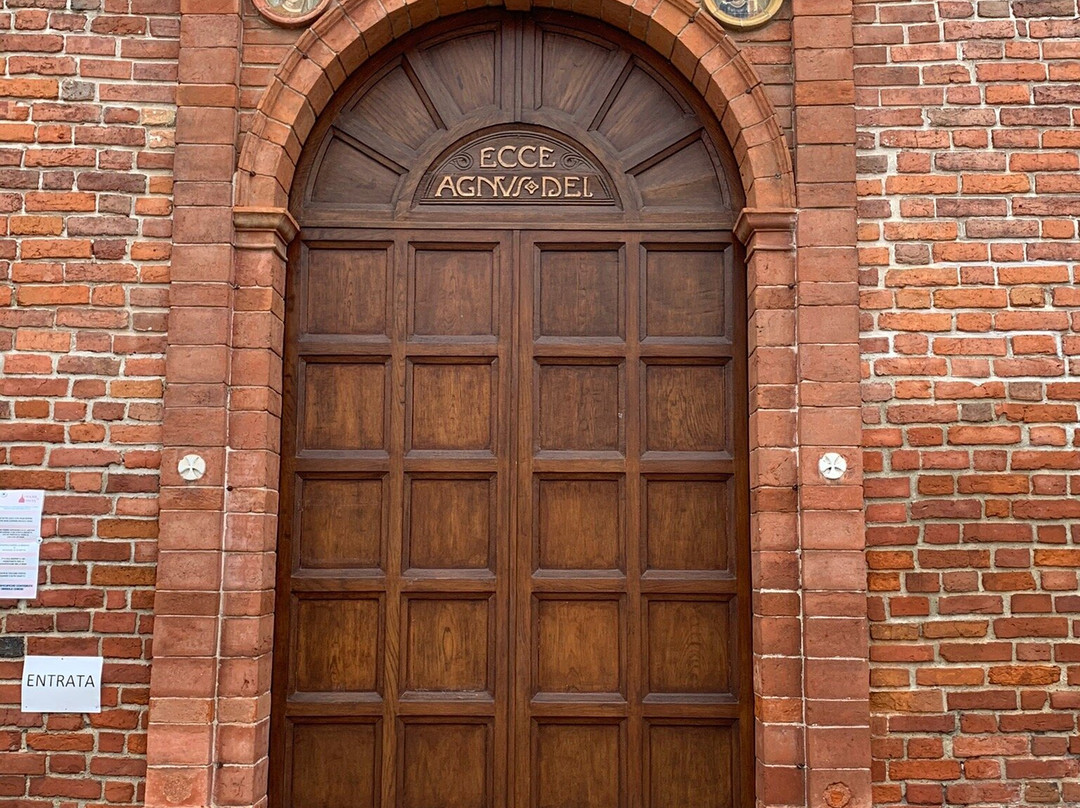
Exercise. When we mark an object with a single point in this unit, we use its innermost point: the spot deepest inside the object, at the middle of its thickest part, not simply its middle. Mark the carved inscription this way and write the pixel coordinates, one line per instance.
(517, 168)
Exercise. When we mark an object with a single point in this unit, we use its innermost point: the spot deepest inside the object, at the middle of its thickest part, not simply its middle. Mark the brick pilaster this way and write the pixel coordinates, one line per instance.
(188, 637)
(834, 630)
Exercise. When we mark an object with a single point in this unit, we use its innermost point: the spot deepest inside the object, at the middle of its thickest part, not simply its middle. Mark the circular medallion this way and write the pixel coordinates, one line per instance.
(743, 13)
(291, 13)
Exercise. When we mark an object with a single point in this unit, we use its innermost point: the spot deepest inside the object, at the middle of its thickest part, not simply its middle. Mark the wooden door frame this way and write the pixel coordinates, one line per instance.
(210, 685)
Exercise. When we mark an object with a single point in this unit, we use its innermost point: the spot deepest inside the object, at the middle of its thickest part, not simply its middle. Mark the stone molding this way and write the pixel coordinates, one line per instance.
(262, 228)
(766, 229)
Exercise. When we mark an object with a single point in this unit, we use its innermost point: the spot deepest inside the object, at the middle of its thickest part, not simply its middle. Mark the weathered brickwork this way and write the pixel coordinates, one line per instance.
(968, 152)
(86, 115)
(969, 147)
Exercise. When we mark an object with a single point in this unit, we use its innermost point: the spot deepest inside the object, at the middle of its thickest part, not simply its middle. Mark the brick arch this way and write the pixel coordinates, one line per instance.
(212, 670)
(323, 59)
(348, 34)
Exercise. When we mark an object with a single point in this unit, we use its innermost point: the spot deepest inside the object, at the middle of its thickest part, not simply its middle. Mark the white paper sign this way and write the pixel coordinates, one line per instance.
(61, 684)
(19, 569)
(20, 542)
(20, 515)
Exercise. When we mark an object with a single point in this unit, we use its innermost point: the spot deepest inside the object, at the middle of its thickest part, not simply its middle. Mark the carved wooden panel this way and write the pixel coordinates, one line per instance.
(579, 647)
(347, 291)
(686, 522)
(343, 522)
(579, 523)
(344, 405)
(349, 664)
(580, 406)
(452, 522)
(689, 764)
(687, 645)
(684, 295)
(446, 764)
(454, 293)
(451, 405)
(578, 764)
(685, 407)
(322, 752)
(447, 645)
(519, 118)
(578, 295)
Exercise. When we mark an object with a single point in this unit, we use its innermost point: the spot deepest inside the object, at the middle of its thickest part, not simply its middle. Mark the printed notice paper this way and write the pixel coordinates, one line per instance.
(20, 515)
(61, 684)
(20, 542)
(19, 569)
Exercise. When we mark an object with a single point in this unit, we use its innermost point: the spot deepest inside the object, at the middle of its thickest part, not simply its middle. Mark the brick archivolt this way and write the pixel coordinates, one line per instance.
(231, 650)
(343, 39)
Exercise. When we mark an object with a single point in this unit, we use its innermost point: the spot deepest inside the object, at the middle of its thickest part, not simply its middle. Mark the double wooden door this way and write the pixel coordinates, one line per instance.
(513, 562)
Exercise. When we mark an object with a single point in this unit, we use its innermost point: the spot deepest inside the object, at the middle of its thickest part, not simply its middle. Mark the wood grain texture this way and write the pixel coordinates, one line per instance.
(452, 522)
(322, 752)
(552, 75)
(446, 764)
(447, 646)
(579, 524)
(342, 523)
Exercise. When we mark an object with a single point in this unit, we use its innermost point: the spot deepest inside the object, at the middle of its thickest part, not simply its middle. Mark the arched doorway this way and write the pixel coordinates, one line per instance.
(513, 562)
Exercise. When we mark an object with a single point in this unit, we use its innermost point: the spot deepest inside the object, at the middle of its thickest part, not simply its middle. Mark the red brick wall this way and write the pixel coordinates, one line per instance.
(86, 115)
(769, 51)
(969, 120)
(968, 158)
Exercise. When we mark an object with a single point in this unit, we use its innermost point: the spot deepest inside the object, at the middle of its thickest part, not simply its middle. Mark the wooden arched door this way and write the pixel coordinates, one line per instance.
(513, 564)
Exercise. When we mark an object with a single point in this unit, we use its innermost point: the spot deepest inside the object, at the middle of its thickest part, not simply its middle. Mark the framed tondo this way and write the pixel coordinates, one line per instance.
(291, 13)
(742, 14)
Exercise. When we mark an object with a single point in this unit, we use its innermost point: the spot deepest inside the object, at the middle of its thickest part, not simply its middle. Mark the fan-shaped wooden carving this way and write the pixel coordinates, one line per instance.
(406, 125)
